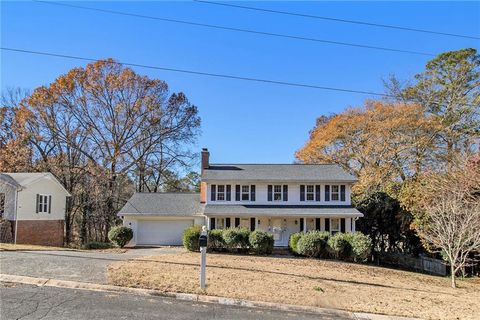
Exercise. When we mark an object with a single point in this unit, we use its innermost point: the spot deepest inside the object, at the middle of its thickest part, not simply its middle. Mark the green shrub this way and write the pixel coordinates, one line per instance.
(361, 246)
(120, 235)
(313, 244)
(92, 245)
(293, 240)
(236, 238)
(215, 240)
(190, 238)
(261, 242)
(340, 245)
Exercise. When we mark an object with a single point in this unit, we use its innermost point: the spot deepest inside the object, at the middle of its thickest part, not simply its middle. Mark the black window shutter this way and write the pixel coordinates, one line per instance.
(269, 192)
(317, 224)
(229, 192)
(237, 222)
(227, 223)
(212, 223)
(38, 202)
(342, 192)
(253, 224)
(49, 204)
(301, 224)
(327, 193)
(237, 192)
(252, 193)
(327, 224)
(302, 192)
(342, 225)
(213, 194)
(285, 192)
(317, 193)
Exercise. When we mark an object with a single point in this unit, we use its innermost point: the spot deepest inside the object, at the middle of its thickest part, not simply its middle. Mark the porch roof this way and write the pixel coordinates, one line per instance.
(281, 211)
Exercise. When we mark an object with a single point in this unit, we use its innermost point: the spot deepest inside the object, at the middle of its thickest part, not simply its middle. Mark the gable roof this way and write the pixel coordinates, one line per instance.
(165, 204)
(23, 179)
(277, 172)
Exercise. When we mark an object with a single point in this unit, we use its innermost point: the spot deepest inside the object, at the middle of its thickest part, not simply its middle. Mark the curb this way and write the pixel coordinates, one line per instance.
(45, 282)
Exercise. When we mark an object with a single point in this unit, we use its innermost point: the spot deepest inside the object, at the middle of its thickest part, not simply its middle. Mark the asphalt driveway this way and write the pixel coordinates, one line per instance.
(85, 266)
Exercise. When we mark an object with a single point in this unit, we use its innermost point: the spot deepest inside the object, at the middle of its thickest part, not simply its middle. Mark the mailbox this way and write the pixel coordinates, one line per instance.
(202, 241)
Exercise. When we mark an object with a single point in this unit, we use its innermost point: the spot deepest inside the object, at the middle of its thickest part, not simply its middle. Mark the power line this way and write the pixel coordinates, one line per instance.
(371, 24)
(208, 74)
(270, 34)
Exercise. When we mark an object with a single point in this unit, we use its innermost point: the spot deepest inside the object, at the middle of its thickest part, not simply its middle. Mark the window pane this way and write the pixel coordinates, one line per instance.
(335, 196)
(245, 196)
(310, 196)
(221, 188)
(309, 188)
(334, 188)
(245, 189)
(277, 188)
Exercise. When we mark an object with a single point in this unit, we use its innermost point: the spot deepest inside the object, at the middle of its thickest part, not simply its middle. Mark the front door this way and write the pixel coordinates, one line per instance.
(278, 233)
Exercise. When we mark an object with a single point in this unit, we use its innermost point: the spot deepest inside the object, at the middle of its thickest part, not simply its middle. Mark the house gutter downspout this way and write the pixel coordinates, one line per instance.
(16, 214)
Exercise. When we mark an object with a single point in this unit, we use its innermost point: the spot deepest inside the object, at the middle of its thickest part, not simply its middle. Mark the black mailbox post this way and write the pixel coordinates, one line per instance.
(202, 241)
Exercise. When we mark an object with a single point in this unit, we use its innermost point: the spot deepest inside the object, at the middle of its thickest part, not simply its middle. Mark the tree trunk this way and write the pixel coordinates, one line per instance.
(452, 275)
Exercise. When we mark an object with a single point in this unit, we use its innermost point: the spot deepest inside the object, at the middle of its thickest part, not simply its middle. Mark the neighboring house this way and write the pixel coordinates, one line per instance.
(35, 205)
(278, 198)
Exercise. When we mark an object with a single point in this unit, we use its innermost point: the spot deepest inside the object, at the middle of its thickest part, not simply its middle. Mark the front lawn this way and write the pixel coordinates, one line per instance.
(321, 283)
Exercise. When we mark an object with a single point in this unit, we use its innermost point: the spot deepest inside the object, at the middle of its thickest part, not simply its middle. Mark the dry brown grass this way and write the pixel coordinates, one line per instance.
(28, 247)
(322, 283)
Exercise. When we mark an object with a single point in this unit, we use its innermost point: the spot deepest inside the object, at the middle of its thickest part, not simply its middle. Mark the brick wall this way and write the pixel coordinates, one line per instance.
(41, 232)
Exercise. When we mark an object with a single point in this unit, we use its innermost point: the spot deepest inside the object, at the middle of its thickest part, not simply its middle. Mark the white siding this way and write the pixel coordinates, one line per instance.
(27, 199)
(261, 194)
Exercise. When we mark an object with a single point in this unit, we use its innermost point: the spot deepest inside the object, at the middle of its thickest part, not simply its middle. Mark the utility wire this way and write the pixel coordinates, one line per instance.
(208, 74)
(271, 34)
(371, 24)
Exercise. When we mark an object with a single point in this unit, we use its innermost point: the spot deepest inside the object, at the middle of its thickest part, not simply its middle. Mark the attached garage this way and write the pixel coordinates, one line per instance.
(161, 232)
(158, 219)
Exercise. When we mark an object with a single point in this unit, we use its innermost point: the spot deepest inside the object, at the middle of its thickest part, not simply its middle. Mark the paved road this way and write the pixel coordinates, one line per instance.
(19, 301)
(82, 266)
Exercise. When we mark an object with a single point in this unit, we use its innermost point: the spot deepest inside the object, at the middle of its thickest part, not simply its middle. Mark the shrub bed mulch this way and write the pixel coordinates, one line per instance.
(321, 283)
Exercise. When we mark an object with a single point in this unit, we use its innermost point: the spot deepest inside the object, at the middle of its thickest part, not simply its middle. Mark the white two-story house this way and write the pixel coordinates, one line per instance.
(278, 198)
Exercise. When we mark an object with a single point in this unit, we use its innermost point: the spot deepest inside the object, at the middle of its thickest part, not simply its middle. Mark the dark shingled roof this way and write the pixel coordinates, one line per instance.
(164, 204)
(279, 210)
(277, 172)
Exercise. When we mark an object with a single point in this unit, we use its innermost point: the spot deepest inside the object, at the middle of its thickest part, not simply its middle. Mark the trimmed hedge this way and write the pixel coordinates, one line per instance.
(261, 242)
(93, 245)
(120, 235)
(190, 237)
(313, 244)
(215, 240)
(236, 238)
(361, 246)
(340, 245)
(293, 240)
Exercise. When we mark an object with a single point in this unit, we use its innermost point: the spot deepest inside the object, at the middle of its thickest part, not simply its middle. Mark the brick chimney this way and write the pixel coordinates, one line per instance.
(205, 165)
(205, 159)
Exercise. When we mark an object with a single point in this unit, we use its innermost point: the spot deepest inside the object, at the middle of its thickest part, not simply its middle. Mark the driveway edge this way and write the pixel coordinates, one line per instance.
(194, 297)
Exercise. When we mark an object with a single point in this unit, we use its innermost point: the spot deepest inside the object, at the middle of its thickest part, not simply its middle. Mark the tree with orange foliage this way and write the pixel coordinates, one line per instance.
(380, 143)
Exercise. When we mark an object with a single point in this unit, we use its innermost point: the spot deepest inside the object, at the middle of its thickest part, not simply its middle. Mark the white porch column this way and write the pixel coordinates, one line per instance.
(256, 223)
(304, 224)
(207, 222)
(353, 224)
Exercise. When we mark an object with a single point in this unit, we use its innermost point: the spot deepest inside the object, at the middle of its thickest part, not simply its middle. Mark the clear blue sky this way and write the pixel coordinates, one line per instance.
(241, 121)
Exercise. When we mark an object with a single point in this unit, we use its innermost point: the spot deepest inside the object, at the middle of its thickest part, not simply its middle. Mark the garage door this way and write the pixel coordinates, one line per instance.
(164, 232)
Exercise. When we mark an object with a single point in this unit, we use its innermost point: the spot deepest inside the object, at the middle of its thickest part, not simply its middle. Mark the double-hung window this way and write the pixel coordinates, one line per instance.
(334, 225)
(335, 193)
(245, 193)
(277, 193)
(43, 203)
(221, 193)
(310, 192)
